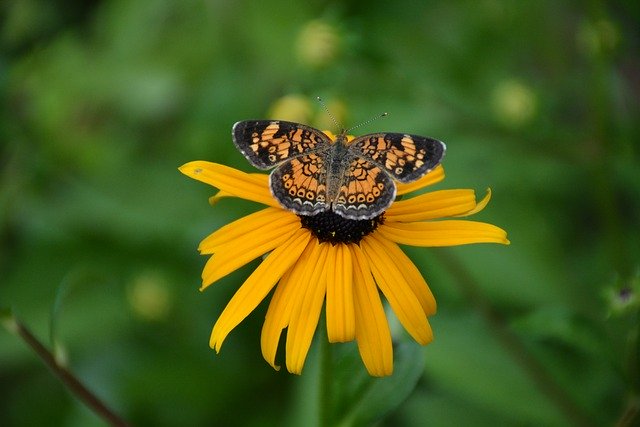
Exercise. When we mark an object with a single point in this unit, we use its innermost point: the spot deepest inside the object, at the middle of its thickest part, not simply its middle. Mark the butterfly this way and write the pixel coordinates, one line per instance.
(313, 173)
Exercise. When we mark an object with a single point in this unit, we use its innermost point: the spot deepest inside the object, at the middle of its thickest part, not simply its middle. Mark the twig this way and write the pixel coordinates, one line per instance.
(75, 386)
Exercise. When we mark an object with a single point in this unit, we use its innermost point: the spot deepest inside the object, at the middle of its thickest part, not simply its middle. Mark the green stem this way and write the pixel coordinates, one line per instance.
(497, 325)
(325, 379)
(73, 384)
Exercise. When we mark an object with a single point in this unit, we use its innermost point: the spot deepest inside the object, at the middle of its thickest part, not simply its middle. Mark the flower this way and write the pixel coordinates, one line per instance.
(329, 260)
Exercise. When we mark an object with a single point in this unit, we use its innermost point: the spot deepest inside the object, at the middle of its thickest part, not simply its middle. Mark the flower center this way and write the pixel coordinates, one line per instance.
(330, 227)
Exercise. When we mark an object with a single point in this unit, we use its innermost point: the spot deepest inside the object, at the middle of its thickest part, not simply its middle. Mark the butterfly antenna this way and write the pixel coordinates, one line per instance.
(335, 122)
(367, 122)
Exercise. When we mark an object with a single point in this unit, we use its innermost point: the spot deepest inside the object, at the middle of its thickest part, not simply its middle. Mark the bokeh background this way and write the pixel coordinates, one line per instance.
(103, 100)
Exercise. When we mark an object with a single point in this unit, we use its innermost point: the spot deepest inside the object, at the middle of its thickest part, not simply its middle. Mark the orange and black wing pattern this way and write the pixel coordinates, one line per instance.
(365, 192)
(267, 143)
(405, 157)
(300, 184)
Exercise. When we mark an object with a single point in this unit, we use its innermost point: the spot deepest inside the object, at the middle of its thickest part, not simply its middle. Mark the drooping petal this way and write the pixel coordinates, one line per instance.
(339, 308)
(412, 275)
(236, 253)
(431, 178)
(258, 285)
(237, 231)
(372, 329)
(281, 305)
(397, 291)
(254, 187)
(435, 204)
(306, 312)
(443, 233)
(479, 206)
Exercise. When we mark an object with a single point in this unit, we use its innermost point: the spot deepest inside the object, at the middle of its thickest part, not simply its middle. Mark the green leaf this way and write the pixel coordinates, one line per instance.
(362, 399)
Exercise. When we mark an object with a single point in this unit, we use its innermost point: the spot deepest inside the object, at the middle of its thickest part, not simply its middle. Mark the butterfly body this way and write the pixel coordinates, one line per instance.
(354, 178)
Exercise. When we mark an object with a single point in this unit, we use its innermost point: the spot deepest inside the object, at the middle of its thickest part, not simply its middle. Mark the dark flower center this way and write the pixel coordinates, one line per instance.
(330, 227)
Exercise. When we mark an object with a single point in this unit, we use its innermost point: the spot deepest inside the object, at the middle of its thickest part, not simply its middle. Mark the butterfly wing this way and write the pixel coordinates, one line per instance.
(300, 184)
(405, 157)
(267, 143)
(365, 192)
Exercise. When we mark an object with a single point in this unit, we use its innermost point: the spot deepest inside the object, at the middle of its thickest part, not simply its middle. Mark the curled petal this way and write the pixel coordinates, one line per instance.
(479, 206)
(254, 187)
(443, 233)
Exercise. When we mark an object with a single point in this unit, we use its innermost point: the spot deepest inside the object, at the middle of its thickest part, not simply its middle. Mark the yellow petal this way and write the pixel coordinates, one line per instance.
(213, 200)
(340, 315)
(372, 329)
(436, 204)
(480, 205)
(236, 253)
(397, 291)
(265, 219)
(246, 186)
(260, 179)
(306, 311)
(281, 305)
(430, 178)
(411, 274)
(257, 286)
(443, 233)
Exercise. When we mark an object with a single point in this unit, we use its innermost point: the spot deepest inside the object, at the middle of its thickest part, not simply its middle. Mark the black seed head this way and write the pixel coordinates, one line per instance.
(330, 227)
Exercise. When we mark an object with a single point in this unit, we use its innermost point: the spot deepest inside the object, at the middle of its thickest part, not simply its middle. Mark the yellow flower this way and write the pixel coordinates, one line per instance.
(327, 258)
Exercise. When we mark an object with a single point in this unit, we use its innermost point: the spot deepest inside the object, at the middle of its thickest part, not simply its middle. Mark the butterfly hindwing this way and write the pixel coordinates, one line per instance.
(365, 192)
(405, 157)
(300, 184)
(267, 143)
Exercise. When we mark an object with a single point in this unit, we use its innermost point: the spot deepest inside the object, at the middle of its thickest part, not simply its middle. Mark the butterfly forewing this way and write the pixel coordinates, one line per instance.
(405, 157)
(267, 143)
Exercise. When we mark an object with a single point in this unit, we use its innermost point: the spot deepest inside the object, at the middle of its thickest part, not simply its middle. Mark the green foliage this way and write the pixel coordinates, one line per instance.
(102, 101)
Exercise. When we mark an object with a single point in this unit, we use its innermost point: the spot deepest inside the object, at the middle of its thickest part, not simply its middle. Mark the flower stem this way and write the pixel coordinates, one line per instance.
(325, 379)
(73, 384)
(538, 374)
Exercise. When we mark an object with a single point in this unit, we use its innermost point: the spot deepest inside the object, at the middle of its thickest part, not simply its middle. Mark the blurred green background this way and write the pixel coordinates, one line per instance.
(103, 100)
